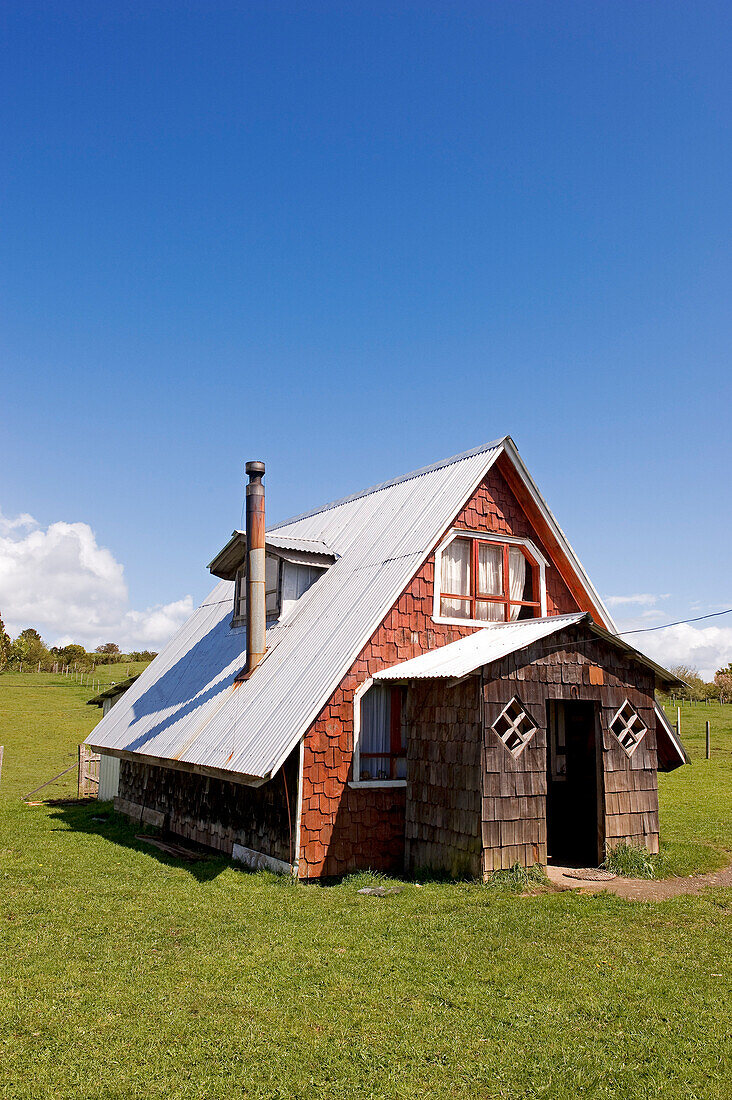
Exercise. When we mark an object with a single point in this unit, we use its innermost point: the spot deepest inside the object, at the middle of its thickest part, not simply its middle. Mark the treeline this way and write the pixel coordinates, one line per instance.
(29, 652)
(698, 689)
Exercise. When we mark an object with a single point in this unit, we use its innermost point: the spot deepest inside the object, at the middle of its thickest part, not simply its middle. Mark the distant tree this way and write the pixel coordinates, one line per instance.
(72, 655)
(108, 647)
(142, 655)
(723, 680)
(5, 646)
(696, 688)
(29, 648)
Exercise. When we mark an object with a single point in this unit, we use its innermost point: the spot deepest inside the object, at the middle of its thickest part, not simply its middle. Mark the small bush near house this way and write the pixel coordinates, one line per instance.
(518, 878)
(634, 862)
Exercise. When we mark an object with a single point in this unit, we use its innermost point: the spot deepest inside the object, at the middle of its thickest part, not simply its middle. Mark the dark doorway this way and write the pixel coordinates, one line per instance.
(573, 785)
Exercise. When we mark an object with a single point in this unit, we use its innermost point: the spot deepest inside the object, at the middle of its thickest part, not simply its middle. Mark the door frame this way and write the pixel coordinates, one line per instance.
(552, 714)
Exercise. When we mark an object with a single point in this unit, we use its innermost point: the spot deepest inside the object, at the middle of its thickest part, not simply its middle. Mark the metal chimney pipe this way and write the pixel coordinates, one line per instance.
(256, 598)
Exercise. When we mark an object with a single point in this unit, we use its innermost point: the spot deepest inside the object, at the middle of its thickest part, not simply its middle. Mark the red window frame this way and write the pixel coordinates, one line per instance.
(397, 751)
(504, 597)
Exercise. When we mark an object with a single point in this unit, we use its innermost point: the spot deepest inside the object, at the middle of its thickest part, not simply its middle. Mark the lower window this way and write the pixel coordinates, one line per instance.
(382, 739)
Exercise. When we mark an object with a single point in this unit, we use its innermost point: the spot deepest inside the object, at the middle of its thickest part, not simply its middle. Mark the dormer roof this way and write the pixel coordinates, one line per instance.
(299, 551)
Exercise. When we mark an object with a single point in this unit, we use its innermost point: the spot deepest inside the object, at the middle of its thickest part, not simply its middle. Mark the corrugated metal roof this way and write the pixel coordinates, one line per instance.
(185, 706)
(485, 646)
(283, 541)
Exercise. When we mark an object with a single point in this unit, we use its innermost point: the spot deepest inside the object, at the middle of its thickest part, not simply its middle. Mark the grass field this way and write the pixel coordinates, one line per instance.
(124, 973)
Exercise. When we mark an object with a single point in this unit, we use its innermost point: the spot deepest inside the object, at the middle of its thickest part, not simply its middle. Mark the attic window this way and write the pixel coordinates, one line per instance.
(483, 580)
(271, 589)
(515, 727)
(380, 751)
(628, 728)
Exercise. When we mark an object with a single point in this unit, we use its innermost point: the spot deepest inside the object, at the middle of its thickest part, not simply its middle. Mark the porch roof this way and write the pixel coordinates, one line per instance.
(496, 640)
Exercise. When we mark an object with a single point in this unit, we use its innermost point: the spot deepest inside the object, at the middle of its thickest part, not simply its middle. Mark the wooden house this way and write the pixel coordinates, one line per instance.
(420, 676)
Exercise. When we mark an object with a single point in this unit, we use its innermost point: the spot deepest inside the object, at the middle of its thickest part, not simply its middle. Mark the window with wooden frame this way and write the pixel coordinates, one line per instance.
(486, 580)
(381, 749)
(271, 590)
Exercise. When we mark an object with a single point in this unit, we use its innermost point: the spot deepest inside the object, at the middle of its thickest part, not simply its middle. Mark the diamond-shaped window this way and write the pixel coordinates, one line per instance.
(628, 728)
(515, 727)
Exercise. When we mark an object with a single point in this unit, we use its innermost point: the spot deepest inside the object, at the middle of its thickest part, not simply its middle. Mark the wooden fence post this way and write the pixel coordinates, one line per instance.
(709, 740)
(678, 721)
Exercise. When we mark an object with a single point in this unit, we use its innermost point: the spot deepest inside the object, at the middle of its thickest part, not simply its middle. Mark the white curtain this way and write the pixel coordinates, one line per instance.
(305, 577)
(455, 577)
(516, 578)
(375, 735)
(490, 611)
(490, 570)
(490, 583)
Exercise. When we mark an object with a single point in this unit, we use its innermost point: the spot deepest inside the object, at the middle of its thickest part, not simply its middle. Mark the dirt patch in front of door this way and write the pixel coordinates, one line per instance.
(641, 889)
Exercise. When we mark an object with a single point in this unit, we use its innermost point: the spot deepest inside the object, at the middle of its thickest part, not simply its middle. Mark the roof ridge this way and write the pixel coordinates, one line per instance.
(485, 447)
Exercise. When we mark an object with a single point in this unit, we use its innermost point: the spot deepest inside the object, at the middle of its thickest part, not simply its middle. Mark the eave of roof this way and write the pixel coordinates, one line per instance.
(112, 691)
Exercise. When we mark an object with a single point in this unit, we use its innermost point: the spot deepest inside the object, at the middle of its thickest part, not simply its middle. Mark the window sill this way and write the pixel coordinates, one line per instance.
(377, 783)
(478, 622)
(272, 620)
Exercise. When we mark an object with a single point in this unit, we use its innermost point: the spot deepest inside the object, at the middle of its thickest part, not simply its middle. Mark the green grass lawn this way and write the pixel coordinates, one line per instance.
(696, 801)
(124, 973)
(43, 718)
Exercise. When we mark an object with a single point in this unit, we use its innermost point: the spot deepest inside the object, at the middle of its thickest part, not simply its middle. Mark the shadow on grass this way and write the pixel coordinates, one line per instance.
(100, 819)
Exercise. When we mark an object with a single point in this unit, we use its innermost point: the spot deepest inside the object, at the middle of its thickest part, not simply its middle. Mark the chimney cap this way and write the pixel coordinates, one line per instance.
(255, 469)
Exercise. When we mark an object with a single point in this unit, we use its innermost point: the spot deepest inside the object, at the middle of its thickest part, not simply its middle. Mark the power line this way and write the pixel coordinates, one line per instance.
(594, 637)
(680, 622)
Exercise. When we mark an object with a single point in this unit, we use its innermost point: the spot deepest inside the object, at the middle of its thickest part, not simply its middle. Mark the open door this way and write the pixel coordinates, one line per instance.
(574, 785)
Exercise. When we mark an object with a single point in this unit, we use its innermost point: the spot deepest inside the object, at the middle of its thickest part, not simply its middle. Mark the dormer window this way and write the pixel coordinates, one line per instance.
(480, 579)
(291, 567)
(271, 590)
(285, 583)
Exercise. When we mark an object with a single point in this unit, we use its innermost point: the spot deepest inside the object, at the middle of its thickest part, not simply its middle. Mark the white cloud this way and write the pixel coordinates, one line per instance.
(641, 598)
(23, 520)
(59, 580)
(706, 648)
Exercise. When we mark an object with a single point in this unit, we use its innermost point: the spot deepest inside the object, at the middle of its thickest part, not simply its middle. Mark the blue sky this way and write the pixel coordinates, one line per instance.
(352, 239)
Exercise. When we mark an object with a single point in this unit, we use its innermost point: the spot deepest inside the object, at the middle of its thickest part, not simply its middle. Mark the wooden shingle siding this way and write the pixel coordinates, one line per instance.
(514, 789)
(346, 828)
(213, 812)
(443, 812)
